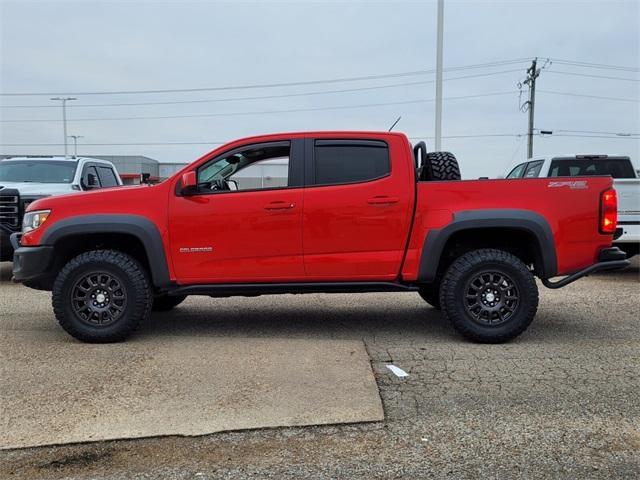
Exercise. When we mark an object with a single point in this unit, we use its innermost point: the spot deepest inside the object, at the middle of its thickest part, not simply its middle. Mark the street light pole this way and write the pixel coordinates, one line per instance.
(75, 143)
(64, 101)
(439, 74)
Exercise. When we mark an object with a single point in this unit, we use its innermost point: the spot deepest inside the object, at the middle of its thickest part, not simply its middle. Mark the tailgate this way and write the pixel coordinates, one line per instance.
(628, 190)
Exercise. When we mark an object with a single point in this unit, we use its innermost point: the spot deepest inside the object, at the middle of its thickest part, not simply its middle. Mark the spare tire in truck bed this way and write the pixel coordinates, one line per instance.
(440, 166)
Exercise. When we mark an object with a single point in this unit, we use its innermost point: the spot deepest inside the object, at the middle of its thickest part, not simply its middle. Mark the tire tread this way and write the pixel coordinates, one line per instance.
(457, 272)
(444, 166)
(143, 298)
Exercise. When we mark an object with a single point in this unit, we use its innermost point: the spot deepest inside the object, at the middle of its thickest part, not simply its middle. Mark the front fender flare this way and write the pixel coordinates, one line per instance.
(140, 227)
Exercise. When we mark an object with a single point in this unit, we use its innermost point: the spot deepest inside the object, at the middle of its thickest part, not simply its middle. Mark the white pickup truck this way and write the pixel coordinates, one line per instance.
(625, 181)
(25, 179)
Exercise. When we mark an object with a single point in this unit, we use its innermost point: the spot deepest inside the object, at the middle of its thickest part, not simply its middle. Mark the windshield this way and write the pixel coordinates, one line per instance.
(37, 171)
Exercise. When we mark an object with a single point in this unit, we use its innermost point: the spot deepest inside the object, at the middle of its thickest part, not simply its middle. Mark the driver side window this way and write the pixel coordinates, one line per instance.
(254, 167)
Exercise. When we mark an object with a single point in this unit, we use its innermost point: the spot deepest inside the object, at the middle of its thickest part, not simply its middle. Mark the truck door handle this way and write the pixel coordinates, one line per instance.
(382, 200)
(279, 205)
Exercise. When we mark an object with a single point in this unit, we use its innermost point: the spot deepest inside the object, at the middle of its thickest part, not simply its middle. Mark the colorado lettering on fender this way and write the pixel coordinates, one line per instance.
(575, 184)
(196, 249)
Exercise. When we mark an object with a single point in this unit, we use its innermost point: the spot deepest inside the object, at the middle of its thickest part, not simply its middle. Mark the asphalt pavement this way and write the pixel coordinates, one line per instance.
(561, 401)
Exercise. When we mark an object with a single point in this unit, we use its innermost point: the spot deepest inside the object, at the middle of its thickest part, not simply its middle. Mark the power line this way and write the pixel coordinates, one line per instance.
(593, 76)
(413, 137)
(303, 94)
(620, 134)
(261, 112)
(571, 94)
(266, 85)
(263, 97)
(621, 137)
(602, 66)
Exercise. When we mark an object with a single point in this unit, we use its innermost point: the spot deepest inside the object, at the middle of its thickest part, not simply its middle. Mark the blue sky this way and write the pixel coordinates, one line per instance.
(92, 46)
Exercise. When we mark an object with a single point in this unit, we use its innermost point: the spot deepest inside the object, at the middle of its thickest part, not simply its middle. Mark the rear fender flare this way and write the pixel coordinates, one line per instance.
(525, 220)
(140, 227)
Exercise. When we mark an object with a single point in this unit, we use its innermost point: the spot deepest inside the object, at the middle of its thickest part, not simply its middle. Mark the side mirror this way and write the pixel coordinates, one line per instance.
(233, 185)
(92, 182)
(189, 183)
(145, 178)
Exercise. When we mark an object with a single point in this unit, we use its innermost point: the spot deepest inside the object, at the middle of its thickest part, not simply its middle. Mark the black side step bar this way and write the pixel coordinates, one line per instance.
(610, 259)
(255, 289)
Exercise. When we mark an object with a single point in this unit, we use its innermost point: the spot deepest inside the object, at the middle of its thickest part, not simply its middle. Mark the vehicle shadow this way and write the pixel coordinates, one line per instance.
(307, 316)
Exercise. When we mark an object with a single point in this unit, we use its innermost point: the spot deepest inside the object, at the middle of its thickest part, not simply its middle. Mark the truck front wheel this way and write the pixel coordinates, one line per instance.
(101, 296)
(489, 296)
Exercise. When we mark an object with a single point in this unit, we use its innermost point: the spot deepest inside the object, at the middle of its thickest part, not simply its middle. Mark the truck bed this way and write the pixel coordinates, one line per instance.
(569, 205)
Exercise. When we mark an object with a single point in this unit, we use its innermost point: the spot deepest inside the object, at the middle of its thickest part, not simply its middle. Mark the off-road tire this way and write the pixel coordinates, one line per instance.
(164, 303)
(442, 166)
(431, 294)
(133, 281)
(458, 280)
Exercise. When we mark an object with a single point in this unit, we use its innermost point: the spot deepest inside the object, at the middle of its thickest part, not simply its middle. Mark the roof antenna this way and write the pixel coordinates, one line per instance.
(394, 123)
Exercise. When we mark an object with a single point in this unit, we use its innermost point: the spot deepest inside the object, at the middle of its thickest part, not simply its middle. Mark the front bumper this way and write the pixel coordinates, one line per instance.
(31, 263)
(611, 258)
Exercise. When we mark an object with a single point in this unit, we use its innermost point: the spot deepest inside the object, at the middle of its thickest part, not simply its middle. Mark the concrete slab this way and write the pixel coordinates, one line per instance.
(56, 390)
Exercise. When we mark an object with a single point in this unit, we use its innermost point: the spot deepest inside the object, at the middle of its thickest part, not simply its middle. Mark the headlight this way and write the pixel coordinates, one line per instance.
(33, 220)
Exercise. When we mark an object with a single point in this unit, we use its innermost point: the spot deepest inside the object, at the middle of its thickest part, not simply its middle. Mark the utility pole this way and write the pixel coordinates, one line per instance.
(439, 75)
(75, 143)
(64, 101)
(533, 72)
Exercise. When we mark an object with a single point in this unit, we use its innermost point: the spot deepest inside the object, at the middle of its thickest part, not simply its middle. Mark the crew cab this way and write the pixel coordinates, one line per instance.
(25, 179)
(625, 182)
(351, 212)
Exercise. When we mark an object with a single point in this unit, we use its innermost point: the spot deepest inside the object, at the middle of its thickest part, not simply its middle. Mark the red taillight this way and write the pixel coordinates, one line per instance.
(608, 212)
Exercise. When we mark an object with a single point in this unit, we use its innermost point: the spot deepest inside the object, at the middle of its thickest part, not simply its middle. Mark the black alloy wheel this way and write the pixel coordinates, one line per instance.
(489, 295)
(491, 298)
(99, 298)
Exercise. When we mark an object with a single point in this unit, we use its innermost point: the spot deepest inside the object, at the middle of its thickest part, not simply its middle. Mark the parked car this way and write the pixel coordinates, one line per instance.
(359, 212)
(625, 181)
(25, 179)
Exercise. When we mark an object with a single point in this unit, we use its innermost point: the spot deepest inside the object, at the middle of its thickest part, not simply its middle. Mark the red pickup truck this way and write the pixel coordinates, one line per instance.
(317, 212)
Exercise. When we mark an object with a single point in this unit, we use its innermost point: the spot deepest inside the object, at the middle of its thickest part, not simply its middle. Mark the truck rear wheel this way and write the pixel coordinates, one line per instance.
(101, 296)
(489, 296)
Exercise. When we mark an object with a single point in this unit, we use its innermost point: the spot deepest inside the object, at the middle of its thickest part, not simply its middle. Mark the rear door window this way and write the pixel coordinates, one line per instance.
(578, 167)
(107, 177)
(344, 161)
